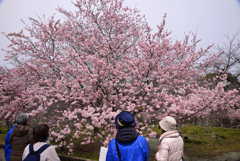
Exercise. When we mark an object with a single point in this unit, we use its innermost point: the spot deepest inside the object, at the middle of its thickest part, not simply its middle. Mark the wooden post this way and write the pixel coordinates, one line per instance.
(217, 138)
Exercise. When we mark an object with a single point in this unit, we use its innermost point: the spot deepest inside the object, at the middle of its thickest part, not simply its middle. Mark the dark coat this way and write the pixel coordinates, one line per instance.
(20, 138)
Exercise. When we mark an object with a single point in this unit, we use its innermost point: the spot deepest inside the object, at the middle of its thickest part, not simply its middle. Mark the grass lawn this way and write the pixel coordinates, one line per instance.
(3, 133)
(201, 144)
(2, 138)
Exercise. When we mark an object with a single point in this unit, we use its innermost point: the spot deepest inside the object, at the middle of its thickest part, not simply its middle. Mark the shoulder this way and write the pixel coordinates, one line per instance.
(9, 133)
(50, 151)
(179, 139)
(26, 149)
(171, 140)
(52, 147)
(38, 145)
(142, 138)
(30, 134)
(49, 148)
(112, 142)
(30, 130)
(167, 140)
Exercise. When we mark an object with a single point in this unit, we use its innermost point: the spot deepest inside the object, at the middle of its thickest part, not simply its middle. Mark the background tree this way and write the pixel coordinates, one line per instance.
(230, 60)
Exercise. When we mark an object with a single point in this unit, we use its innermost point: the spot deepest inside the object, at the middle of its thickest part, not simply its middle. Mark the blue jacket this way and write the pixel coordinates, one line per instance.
(7, 148)
(136, 150)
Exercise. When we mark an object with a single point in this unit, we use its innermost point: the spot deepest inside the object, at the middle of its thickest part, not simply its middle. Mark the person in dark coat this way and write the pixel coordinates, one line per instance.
(21, 136)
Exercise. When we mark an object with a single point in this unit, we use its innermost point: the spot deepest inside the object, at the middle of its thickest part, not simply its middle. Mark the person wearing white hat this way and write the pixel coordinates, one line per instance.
(171, 143)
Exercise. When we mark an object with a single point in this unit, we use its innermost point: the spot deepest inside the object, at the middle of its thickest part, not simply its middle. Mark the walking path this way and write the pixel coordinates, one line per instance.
(2, 154)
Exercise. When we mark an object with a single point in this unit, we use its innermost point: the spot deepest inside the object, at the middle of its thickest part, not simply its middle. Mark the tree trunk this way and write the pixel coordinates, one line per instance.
(8, 124)
(212, 131)
(96, 130)
(179, 126)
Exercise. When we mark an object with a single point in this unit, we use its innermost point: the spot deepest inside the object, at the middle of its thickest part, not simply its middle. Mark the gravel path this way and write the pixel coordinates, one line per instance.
(231, 156)
(2, 158)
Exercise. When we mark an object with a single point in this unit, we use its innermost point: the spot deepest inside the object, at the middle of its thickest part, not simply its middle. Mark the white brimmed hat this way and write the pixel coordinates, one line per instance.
(168, 123)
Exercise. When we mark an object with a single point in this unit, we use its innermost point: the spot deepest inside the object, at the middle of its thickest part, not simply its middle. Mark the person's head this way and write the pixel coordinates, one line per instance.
(40, 133)
(124, 119)
(168, 124)
(22, 119)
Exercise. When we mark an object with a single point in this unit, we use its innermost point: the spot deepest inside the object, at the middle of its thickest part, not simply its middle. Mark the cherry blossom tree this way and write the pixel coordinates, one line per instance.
(10, 91)
(104, 58)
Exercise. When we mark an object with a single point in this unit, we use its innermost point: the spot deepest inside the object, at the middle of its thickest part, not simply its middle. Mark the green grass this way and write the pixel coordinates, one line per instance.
(2, 138)
(89, 151)
(202, 144)
(3, 133)
(3, 130)
(195, 141)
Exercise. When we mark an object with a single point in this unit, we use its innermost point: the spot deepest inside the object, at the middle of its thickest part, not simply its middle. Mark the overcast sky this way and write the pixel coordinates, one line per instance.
(211, 19)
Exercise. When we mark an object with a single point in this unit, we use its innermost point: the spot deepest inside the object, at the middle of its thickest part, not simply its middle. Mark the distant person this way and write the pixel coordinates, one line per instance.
(171, 143)
(21, 136)
(7, 147)
(40, 145)
(128, 144)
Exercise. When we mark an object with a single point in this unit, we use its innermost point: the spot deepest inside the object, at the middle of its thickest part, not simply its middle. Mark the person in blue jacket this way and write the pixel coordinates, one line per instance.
(7, 147)
(128, 144)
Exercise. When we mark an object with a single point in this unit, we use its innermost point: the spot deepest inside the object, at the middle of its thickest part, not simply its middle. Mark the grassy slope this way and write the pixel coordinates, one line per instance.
(202, 144)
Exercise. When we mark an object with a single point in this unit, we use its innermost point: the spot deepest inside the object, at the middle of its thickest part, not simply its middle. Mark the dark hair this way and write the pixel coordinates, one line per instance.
(40, 133)
(163, 131)
(22, 119)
